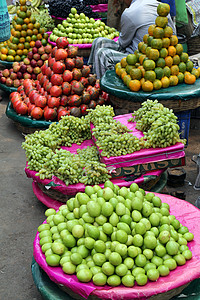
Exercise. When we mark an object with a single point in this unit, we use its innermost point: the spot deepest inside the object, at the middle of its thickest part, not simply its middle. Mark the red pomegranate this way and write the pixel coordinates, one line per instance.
(63, 113)
(53, 102)
(74, 100)
(94, 93)
(84, 108)
(30, 107)
(70, 63)
(77, 88)
(50, 114)
(53, 51)
(67, 76)
(56, 79)
(63, 100)
(85, 97)
(76, 74)
(84, 81)
(56, 91)
(21, 108)
(37, 113)
(72, 51)
(85, 71)
(58, 67)
(41, 101)
(60, 54)
(66, 88)
(79, 62)
(62, 42)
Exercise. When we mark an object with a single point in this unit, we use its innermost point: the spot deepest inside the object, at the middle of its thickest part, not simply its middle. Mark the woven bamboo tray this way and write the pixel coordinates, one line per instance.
(123, 106)
(26, 130)
(162, 296)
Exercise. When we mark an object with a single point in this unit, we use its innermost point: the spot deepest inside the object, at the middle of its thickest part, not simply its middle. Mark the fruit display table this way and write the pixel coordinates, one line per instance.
(179, 98)
(50, 291)
(167, 287)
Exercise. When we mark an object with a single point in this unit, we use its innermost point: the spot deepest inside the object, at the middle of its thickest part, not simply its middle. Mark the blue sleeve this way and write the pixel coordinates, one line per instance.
(172, 5)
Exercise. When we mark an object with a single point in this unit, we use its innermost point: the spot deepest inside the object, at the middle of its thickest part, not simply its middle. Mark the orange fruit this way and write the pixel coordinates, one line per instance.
(173, 40)
(195, 72)
(179, 49)
(136, 74)
(128, 68)
(30, 26)
(29, 32)
(22, 40)
(123, 74)
(4, 50)
(32, 19)
(156, 44)
(142, 70)
(165, 42)
(147, 86)
(42, 31)
(39, 36)
(168, 61)
(18, 58)
(23, 8)
(163, 9)
(176, 60)
(34, 38)
(10, 58)
(171, 50)
(165, 82)
(161, 21)
(134, 85)
(20, 46)
(25, 51)
(36, 25)
(147, 50)
(173, 80)
(28, 39)
(184, 57)
(3, 57)
(28, 14)
(26, 21)
(182, 67)
(163, 52)
(198, 70)
(168, 31)
(167, 71)
(123, 62)
(22, 2)
(189, 65)
(131, 59)
(149, 39)
(154, 54)
(11, 52)
(180, 77)
(17, 34)
(142, 80)
(127, 79)
(13, 46)
(160, 62)
(145, 38)
(35, 31)
(149, 64)
(150, 75)
(159, 72)
(174, 70)
(141, 58)
(23, 33)
(157, 84)
(151, 29)
(32, 44)
(24, 27)
(118, 70)
(158, 32)
(189, 78)
(143, 48)
(12, 31)
(19, 52)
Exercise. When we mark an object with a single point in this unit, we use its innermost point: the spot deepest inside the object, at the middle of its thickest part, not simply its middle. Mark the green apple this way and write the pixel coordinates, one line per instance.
(73, 10)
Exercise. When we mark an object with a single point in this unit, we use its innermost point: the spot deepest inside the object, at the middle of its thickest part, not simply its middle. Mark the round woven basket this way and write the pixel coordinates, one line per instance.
(123, 106)
(25, 129)
(162, 296)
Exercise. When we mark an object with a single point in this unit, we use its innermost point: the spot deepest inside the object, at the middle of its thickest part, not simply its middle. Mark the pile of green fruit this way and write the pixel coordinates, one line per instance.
(80, 29)
(115, 236)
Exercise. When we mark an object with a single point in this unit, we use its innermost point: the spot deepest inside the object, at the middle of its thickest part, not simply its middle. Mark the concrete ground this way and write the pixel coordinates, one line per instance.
(21, 213)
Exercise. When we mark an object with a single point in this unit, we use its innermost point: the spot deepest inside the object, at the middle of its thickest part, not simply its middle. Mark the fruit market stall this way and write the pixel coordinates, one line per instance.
(72, 153)
(108, 265)
(158, 69)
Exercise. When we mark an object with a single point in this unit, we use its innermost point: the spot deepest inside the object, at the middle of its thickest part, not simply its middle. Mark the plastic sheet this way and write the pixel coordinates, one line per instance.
(99, 7)
(50, 291)
(25, 120)
(144, 155)
(8, 89)
(81, 46)
(188, 215)
(113, 85)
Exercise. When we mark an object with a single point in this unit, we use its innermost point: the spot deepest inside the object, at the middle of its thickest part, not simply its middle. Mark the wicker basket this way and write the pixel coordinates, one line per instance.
(123, 106)
(162, 296)
(26, 130)
(58, 196)
(193, 45)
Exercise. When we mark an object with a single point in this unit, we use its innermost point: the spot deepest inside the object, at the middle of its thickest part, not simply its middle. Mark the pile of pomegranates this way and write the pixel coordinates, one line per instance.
(65, 86)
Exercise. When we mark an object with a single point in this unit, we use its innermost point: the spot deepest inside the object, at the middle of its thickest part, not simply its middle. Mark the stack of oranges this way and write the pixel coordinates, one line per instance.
(25, 31)
(159, 61)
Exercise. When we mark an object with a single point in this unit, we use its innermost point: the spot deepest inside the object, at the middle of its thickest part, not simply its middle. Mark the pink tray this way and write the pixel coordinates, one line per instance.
(81, 46)
(188, 215)
(143, 156)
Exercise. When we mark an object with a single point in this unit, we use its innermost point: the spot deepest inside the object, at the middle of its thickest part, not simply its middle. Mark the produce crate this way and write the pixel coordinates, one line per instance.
(184, 123)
